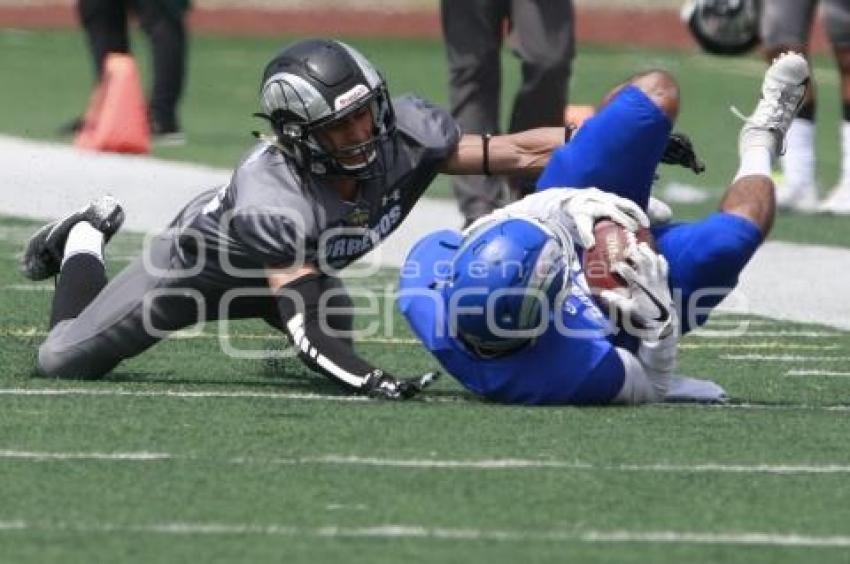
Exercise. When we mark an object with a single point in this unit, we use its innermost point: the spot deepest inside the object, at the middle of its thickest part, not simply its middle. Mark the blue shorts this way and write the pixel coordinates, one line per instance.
(618, 151)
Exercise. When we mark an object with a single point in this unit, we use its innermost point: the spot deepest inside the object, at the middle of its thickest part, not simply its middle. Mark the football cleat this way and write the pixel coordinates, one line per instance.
(838, 201)
(783, 90)
(42, 256)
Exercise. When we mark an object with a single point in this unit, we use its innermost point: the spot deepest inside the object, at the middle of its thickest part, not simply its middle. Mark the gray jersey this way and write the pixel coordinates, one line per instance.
(270, 214)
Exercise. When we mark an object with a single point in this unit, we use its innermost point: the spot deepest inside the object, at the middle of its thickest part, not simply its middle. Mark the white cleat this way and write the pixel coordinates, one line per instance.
(782, 93)
(838, 201)
(43, 254)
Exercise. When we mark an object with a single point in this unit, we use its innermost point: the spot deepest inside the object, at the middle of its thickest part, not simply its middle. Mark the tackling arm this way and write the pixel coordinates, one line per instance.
(518, 154)
(298, 292)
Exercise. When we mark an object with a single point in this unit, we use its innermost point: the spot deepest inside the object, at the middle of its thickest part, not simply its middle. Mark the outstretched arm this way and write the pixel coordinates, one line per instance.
(518, 154)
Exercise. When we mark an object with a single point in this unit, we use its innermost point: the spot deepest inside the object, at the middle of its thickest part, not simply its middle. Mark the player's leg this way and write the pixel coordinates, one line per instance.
(707, 256)
(837, 16)
(473, 38)
(618, 149)
(105, 23)
(163, 22)
(543, 37)
(785, 26)
(94, 325)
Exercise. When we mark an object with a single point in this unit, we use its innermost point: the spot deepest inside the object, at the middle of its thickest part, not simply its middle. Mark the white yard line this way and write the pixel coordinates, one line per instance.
(804, 334)
(407, 531)
(188, 334)
(173, 394)
(783, 358)
(106, 456)
(518, 463)
(445, 464)
(118, 392)
(806, 372)
(758, 345)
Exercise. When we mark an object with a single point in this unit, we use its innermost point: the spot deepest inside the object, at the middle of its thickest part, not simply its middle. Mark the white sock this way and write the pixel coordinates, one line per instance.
(798, 164)
(83, 238)
(845, 162)
(754, 161)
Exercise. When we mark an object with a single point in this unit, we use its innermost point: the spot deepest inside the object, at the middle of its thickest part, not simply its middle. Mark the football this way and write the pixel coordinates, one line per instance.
(610, 248)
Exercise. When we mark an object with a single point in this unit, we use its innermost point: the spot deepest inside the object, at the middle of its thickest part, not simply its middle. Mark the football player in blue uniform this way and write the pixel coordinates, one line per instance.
(505, 307)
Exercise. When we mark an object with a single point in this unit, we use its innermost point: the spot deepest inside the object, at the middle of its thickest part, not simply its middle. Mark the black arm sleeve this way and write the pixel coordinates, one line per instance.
(298, 303)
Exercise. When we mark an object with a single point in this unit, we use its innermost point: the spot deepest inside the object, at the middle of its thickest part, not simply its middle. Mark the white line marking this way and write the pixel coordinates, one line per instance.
(445, 464)
(516, 463)
(707, 334)
(42, 456)
(784, 358)
(29, 287)
(759, 345)
(721, 322)
(404, 531)
(191, 334)
(804, 372)
(118, 392)
(762, 406)
(172, 394)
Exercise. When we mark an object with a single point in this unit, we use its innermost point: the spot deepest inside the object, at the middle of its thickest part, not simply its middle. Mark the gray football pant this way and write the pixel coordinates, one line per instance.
(789, 22)
(542, 36)
(142, 305)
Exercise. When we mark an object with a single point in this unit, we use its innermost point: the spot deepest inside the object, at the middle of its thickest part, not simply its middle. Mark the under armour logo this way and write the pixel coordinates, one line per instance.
(393, 196)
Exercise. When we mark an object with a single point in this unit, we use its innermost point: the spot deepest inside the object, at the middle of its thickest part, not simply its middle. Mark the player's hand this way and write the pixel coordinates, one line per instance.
(586, 206)
(384, 386)
(680, 151)
(649, 305)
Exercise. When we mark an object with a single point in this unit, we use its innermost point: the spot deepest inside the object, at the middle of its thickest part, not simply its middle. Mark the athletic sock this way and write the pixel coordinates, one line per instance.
(83, 238)
(798, 164)
(845, 160)
(755, 160)
(82, 275)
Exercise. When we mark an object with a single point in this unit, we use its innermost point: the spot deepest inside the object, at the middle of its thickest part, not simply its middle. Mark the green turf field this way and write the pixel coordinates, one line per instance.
(52, 80)
(186, 454)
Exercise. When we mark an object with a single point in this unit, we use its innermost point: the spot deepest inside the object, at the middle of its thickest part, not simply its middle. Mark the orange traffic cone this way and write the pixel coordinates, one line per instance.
(577, 114)
(116, 119)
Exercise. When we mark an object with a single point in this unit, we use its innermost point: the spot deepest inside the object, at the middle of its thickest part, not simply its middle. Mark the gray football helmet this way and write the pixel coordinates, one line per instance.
(723, 27)
(314, 83)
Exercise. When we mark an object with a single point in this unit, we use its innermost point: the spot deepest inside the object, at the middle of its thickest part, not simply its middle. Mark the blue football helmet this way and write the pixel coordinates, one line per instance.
(504, 279)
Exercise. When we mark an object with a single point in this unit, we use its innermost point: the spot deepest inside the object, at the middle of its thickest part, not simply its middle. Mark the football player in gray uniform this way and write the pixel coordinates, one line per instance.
(340, 171)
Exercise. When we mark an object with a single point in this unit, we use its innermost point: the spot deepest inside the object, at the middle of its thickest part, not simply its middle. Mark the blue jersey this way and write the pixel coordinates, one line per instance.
(573, 362)
(618, 150)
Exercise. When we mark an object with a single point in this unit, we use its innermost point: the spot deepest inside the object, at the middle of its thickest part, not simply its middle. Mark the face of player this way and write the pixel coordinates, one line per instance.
(348, 139)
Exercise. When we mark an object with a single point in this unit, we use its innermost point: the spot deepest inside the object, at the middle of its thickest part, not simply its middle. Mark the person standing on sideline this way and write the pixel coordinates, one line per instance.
(163, 22)
(542, 36)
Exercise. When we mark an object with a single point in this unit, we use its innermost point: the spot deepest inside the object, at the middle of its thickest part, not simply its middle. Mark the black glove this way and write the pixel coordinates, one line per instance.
(680, 151)
(384, 386)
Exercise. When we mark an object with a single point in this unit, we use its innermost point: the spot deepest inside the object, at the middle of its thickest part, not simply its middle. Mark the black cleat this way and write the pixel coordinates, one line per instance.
(43, 254)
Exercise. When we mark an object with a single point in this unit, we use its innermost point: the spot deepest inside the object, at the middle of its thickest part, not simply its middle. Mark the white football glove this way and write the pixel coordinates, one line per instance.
(584, 207)
(647, 311)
